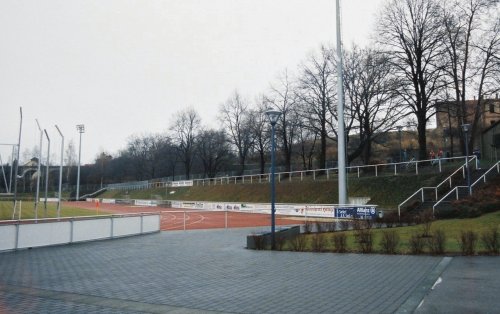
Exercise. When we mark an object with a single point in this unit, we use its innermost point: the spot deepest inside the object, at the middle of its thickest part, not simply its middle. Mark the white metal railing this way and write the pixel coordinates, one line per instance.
(448, 179)
(456, 189)
(389, 168)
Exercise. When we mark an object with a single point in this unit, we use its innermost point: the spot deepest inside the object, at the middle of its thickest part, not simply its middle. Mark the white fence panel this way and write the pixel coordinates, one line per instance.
(7, 237)
(42, 234)
(126, 225)
(150, 223)
(86, 230)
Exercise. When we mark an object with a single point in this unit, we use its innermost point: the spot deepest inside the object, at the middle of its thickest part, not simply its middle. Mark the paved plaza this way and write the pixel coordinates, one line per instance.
(210, 271)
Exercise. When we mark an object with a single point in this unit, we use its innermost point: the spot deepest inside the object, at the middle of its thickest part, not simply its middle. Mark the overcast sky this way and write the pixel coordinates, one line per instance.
(124, 67)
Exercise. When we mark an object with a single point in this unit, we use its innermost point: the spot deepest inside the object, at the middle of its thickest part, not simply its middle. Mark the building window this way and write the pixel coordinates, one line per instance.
(492, 108)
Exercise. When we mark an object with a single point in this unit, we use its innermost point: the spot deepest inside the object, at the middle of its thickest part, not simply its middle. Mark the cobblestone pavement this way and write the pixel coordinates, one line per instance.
(208, 271)
(468, 285)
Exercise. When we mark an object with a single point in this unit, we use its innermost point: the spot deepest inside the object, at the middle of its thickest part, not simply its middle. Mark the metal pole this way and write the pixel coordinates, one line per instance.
(17, 161)
(81, 129)
(11, 165)
(340, 111)
(273, 198)
(60, 173)
(46, 176)
(39, 171)
(467, 162)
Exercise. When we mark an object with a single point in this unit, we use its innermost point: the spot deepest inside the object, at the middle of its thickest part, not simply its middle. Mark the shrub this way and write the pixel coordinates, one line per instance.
(426, 217)
(318, 242)
(345, 224)
(339, 242)
(416, 244)
(357, 224)
(259, 241)
(490, 240)
(279, 241)
(364, 238)
(298, 243)
(319, 227)
(467, 242)
(330, 226)
(308, 226)
(437, 242)
(389, 242)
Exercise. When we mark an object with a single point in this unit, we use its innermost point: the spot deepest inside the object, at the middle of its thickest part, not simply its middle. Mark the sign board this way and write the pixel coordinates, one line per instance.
(359, 212)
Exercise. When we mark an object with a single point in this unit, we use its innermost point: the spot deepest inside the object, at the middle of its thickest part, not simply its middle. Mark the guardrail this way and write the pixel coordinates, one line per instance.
(412, 166)
(448, 179)
(456, 189)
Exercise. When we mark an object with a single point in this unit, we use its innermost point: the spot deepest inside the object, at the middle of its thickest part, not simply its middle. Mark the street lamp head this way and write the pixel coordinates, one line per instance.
(273, 116)
(466, 127)
(80, 128)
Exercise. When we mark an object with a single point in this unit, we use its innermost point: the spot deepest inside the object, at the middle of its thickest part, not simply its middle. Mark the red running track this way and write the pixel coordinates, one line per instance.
(179, 219)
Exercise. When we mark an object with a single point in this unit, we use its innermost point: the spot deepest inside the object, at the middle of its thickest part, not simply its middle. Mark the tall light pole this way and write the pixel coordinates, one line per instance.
(340, 111)
(466, 129)
(81, 129)
(39, 173)
(46, 176)
(60, 173)
(17, 161)
(273, 116)
(400, 128)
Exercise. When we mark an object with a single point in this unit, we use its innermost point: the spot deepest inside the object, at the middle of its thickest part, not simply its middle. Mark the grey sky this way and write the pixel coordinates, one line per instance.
(123, 67)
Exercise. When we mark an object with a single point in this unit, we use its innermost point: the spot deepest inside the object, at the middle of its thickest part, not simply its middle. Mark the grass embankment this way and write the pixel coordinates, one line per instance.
(385, 191)
(28, 211)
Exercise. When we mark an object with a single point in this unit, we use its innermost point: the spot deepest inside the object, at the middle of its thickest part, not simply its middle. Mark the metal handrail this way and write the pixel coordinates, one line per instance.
(455, 189)
(456, 171)
(483, 177)
(462, 168)
(138, 185)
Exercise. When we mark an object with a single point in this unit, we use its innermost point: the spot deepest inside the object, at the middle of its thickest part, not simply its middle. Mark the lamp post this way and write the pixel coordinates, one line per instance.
(60, 173)
(273, 116)
(466, 129)
(39, 171)
(46, 176)
(400, 128)
(81, 129)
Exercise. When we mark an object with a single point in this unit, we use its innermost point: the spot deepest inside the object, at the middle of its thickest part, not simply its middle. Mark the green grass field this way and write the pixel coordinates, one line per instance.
(452, 229)
(28, 212)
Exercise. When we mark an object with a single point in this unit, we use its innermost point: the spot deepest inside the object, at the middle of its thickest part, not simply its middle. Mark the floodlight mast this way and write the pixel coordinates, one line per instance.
(81, 129)
(46, 175)
(37, 199)
(17, 161)
(60, 173)
(340, 112)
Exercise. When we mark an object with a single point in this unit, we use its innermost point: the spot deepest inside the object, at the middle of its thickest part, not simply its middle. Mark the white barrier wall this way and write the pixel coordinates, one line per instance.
(51, 232)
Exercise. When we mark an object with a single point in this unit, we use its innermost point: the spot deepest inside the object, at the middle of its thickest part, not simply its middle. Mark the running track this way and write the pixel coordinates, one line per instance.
(173, 219)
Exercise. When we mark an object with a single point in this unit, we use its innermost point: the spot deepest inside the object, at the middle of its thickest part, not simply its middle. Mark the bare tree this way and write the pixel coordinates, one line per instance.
(371, 98)
(185, 128)
(235, 116)
(145, 153)
(261, 132)
(307, 139)
(213, 149)
(411, 32)
(462, 20)
(283, 97)
(317, 90)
